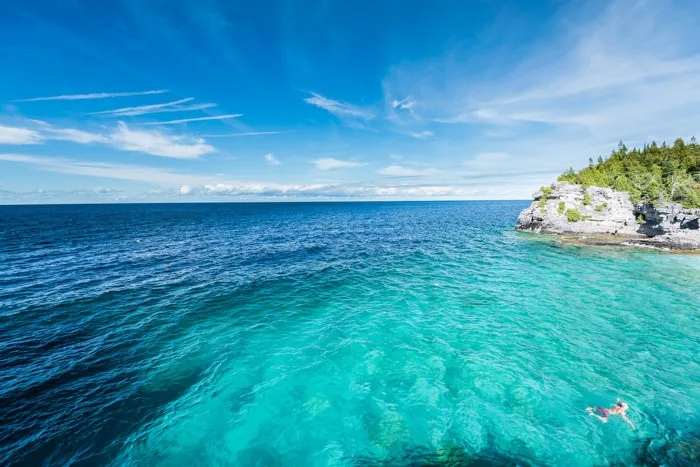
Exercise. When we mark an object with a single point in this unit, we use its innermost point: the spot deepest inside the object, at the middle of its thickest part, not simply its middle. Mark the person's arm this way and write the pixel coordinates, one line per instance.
(624, 417)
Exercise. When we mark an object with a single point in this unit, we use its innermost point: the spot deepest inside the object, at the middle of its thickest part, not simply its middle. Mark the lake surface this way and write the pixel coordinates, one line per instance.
(337, 334)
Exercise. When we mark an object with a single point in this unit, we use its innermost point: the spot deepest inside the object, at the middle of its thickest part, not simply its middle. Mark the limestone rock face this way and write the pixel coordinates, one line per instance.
(671, 225)
(604, 210)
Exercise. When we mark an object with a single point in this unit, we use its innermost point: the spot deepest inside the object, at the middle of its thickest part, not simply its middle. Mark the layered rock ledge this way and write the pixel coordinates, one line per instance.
(600, 214)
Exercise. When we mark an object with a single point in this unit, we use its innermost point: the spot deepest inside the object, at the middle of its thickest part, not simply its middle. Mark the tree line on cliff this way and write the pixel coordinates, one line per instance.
(653, 174)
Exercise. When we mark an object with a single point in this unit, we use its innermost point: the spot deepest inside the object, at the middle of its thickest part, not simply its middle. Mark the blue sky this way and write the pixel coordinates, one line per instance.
(208, 100)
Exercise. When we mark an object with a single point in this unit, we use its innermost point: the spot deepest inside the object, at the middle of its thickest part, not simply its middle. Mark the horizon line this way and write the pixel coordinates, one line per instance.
(311, 201)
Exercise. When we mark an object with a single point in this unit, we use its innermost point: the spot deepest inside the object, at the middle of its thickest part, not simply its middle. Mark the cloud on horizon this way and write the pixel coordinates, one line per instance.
(207, 185)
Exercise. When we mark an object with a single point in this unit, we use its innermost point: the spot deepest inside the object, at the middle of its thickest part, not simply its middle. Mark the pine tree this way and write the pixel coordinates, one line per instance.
(651, 174)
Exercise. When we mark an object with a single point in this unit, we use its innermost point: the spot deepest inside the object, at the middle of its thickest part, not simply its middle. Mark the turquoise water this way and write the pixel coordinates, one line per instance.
(337, 334)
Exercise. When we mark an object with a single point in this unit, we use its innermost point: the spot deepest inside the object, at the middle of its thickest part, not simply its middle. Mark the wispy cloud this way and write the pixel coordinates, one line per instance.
(141, 109)
(134, 173)
(406, 103)
(17, 135)
(339, 108)
(421, 134)
(95, 95)
(174, 106)
(401, 111)
(404, 106)
(401, 171)
(153, 142)
(76, 136)
(158, 143)
(249, 133)
(196, 119)
(329, 163)
(606, 74)
(271, 159)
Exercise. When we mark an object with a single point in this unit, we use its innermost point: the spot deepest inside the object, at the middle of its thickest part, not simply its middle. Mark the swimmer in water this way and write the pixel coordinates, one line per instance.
(620, 408)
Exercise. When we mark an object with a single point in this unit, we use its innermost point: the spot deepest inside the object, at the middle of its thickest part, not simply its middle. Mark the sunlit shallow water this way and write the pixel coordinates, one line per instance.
(337, 334)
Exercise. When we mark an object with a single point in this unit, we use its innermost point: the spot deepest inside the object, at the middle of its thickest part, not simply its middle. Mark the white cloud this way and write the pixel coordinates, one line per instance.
(199, 186)
(15, 135)
(158, 144)
(404, 104)
(95, 95)
(135, 173)
(400, 171)
(338, 108)
(329, 163)
(350, 191)
(261, 188)
(76, 136)
(402, 112)
(421, 134)
(174, 106)
(197, 119)
(154, 142)
(271, 159)
(138, 110)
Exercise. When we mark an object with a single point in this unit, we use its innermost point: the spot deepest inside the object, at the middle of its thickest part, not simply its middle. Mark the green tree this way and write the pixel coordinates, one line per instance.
(651, 174)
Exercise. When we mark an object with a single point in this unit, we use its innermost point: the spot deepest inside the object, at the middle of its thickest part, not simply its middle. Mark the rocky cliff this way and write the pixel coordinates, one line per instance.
(564, 208)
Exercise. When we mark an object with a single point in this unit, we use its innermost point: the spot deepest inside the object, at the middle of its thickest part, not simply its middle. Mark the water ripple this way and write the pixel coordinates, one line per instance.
(336, 334)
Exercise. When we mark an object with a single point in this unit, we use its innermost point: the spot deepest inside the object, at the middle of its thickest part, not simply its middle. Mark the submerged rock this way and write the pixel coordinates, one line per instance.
(565, 208)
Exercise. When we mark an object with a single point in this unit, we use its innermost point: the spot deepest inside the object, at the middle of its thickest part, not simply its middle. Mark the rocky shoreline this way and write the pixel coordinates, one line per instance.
(603, 216)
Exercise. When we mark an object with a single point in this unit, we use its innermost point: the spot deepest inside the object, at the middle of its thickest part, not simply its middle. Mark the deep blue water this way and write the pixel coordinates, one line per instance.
(337, 334)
